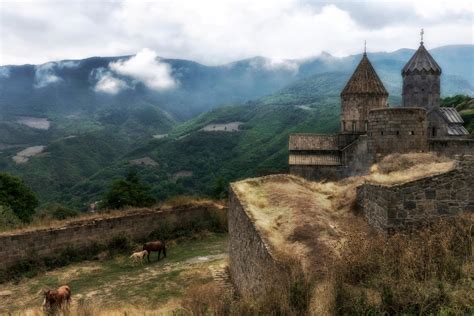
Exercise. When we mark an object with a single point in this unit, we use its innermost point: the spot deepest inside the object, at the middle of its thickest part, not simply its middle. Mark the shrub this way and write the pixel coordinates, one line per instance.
(211, 221)
(8, 219)
(206, 299)
(120, 243)
(409, 271)
(56, 211)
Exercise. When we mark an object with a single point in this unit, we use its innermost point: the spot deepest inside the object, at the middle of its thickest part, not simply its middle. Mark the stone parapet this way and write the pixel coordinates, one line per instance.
(393, 207)
(38, 243)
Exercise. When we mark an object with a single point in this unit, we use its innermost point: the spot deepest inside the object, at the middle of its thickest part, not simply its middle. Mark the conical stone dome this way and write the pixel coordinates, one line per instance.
(421, 61)
(364, 80)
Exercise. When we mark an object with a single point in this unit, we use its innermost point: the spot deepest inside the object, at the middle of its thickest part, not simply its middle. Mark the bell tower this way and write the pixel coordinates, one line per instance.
(421, 80)
(363, 92)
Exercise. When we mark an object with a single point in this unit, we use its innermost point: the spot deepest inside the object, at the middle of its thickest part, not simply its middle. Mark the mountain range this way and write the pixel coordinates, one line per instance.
(190, 130)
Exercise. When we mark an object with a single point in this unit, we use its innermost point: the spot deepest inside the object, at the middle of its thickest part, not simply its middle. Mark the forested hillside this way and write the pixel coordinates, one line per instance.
(68, 141)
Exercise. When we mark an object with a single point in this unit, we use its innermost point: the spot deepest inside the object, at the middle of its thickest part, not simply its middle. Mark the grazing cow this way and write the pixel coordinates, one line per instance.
(55, 300)
(157, 246)
(138, 256)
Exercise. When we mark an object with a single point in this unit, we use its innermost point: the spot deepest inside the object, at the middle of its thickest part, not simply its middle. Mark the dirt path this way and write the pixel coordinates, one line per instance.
(118, 285)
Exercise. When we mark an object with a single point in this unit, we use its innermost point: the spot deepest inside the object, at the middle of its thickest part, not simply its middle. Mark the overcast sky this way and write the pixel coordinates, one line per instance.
(220, 31)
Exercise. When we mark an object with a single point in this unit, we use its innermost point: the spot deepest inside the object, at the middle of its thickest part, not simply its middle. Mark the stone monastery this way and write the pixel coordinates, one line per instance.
(370, 129)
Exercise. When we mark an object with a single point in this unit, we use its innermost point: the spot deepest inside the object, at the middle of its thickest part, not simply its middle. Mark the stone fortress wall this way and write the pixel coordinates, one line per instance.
(386, 207)
(38, 243)
(392, 207)
(451, 147)
(397, 130)
(251, 262)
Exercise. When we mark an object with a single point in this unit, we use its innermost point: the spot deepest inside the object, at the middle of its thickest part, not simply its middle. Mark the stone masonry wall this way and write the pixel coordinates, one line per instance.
(355, 109)
(389, 208)
(397, 130)
(319, 173)
(421, 89)
(355, 157)
(452, 147)
(251, 263)
(318, 142)
(22, 245)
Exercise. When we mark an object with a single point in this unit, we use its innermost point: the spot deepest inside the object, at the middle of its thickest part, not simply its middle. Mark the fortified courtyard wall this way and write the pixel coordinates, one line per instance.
(38, 243)
(253, 263)
(391, 207)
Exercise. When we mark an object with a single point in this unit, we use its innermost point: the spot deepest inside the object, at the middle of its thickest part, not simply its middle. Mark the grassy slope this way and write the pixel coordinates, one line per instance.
(118, 284)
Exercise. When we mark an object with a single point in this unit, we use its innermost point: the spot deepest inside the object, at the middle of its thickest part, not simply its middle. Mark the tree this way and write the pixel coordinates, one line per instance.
(127, 192)
(17, 196)
(219, 188)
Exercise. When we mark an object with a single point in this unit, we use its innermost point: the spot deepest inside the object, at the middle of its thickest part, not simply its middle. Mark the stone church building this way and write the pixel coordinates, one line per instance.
(370, 129)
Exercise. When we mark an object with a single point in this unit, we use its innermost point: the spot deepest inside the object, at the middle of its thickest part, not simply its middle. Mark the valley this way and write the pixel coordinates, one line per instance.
(287, 158)
(189, 141)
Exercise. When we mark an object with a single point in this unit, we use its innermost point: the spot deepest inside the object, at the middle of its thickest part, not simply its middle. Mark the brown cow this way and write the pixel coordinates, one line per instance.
(55, 300)
(157, 246)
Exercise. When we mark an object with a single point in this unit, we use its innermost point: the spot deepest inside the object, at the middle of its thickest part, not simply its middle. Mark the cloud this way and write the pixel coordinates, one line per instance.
(4, 72)
(216, 32)
(68, 64)
(275, 64)
(146, 67)
(45, 75)
(107, 83)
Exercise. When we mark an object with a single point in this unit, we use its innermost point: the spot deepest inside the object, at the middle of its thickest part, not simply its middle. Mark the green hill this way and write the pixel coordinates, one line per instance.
(95, 138)
(198, 162)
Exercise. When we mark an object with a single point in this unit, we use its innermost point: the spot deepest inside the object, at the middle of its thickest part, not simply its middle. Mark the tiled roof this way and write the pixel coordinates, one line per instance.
(457, 130)
(451, 115)
(364, 80)
(421, 61)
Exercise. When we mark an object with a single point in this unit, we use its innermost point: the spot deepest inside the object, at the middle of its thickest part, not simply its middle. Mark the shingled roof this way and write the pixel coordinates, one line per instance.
(421, 61)
(364, 80)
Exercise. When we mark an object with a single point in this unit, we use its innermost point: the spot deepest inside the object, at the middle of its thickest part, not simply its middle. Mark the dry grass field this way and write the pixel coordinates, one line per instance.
(115, 286)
